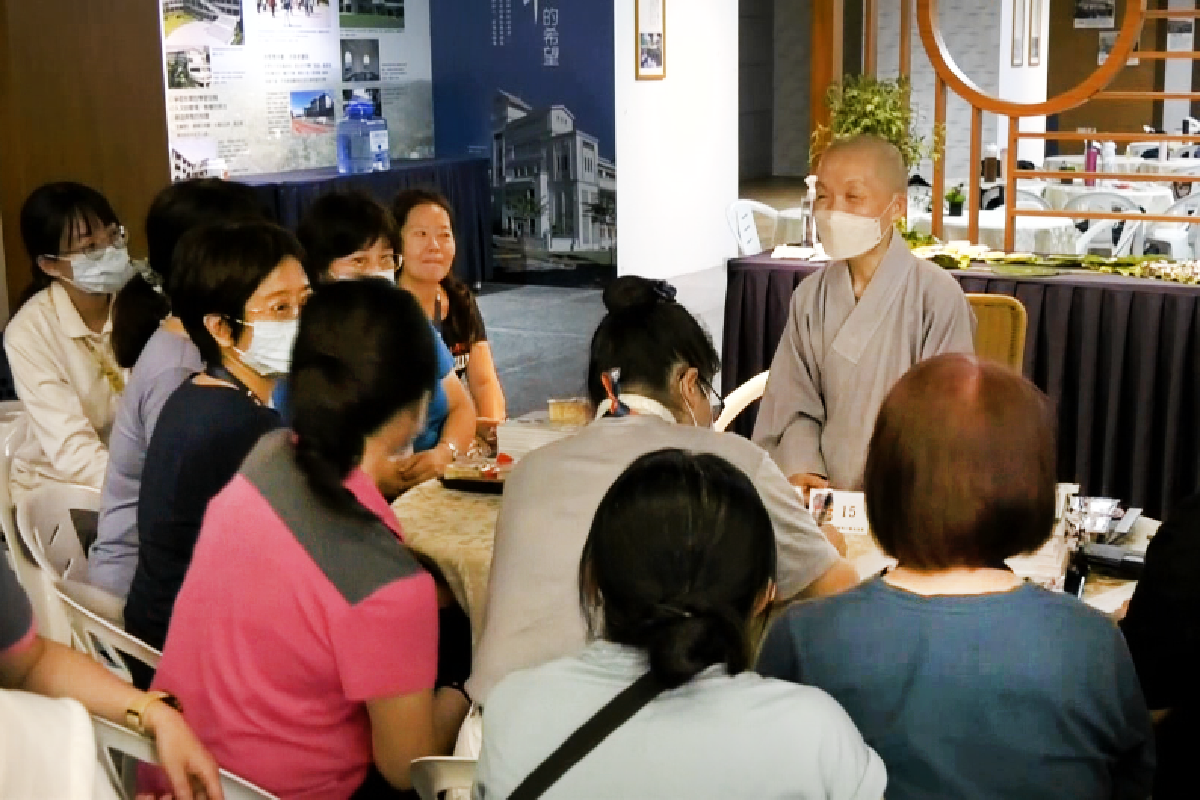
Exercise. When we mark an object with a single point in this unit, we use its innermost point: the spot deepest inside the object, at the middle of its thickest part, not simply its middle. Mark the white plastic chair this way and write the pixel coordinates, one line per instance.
(436, 774)
(44, 523)
(1027, 199)
(1136, 149)
(1099, 233)
(101, 639)
(740, 215)
(114, 739)
(1181, 240)
(740, 398)
(51, 620)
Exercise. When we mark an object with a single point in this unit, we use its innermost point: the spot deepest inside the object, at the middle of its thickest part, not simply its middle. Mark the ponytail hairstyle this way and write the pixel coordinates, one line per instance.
(364, 353)
(461, 323)
(51, 215)
(647, 335)
(141, 306)
(680, 552)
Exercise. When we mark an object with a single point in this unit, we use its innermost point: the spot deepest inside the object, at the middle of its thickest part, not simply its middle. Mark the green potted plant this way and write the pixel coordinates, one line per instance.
(955, 197)
(862, 104)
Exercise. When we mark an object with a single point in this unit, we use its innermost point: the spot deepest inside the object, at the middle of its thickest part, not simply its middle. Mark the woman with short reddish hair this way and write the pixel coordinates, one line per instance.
(967, 681)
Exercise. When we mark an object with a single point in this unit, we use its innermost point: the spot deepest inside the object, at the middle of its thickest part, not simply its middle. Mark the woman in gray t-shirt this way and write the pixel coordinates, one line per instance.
(679, 560)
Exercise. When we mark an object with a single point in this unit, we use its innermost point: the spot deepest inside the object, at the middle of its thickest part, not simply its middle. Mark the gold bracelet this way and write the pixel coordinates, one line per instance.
(135, 715)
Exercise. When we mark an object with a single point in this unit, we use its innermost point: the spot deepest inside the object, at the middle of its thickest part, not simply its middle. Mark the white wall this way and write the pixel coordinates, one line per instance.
(1177, 77)
(1024, 84)
(978, 34)
(677, 142)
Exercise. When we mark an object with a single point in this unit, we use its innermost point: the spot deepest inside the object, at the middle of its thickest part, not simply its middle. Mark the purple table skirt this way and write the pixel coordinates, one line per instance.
(1120, 358)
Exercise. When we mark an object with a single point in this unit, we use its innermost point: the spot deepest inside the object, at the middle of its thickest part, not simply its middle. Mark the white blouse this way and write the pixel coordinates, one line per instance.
(68, 379)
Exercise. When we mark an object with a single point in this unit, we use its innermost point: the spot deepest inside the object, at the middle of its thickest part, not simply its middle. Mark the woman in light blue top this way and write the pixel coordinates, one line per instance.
(162, 356)
(679, 561)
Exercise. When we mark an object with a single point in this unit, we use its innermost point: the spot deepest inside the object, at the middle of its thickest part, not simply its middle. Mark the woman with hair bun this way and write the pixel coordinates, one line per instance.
(679, 561)
(650, 376)
(304, 641)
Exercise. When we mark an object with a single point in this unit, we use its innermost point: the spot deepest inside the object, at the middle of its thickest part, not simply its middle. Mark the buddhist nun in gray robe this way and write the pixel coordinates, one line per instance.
(838, 358)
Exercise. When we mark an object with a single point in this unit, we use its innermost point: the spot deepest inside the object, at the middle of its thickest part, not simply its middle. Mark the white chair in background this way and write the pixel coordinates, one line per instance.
(1098, 236)
(1139, 149)
(1027, 199)
(740, 398)
(99, 638)
(436, 774)
(740, 215)
(1180, 240)
(1186, 151)
(115, 743)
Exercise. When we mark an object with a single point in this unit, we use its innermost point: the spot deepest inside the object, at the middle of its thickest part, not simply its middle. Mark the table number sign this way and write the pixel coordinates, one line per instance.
(848, 513)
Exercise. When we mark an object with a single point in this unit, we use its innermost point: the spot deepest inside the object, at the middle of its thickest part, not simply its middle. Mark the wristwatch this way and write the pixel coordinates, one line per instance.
(135, 715)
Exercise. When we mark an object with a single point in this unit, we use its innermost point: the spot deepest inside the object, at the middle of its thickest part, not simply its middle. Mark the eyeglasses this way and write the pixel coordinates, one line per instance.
(112, 236)
(714, 400)
(281, 309)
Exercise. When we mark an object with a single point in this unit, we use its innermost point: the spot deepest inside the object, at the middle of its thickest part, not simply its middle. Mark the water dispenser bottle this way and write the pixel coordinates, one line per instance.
(362, 139)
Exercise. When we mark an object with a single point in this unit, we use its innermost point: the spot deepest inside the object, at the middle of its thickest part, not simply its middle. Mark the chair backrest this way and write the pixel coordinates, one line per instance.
(740, 215)
(1142, 149)
(740, 398)
(1100, 201)
(103, 641)
(1026, 199)
(51, 620)
(1000, 323)
(1186, 151)
(114, 743)
(436, 774)
(45, 524)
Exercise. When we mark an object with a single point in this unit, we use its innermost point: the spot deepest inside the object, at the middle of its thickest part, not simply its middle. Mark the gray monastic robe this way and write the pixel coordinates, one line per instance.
(839, 358)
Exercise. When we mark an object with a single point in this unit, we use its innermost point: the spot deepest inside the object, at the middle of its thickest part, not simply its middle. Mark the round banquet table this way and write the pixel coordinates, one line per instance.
(455, 530)
(1152, 199)
(1124, 164)
(1034, 234)
(1119, 357)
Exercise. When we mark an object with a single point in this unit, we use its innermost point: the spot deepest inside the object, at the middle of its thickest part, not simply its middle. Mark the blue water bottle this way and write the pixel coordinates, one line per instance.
(362, 139)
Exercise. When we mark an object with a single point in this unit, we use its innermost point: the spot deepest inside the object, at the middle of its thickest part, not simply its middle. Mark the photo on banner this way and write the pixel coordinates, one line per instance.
(264, 86)
(545, 118)
(1095, 13)
(1107, 40)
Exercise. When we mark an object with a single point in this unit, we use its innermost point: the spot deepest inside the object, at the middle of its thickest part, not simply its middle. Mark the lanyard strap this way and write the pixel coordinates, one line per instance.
(588, 736)
(221, 373)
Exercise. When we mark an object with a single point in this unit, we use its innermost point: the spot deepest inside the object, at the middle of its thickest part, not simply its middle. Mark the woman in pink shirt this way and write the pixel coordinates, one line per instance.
(303, 644)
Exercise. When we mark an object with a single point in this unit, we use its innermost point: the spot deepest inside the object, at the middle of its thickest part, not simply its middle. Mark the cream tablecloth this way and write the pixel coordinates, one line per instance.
(1153, 199)
(1034, 234)
(455, 530)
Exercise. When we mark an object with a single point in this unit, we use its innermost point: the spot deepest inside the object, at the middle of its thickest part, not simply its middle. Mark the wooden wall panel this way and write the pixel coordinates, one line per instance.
(1072, 57)
(828, 18)
(81, 98)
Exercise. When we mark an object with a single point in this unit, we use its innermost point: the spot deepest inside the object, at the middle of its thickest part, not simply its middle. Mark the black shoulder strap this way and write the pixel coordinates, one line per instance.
(586, 738)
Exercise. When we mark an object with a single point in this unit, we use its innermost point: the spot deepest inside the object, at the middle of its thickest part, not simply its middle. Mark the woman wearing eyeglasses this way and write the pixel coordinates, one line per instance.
(238, 289)
(59, 344)
(650, 375)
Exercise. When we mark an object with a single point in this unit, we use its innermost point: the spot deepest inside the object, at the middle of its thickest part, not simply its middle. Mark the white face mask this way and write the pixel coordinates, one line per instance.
(270, 351)
(846, 235)
(101, 273)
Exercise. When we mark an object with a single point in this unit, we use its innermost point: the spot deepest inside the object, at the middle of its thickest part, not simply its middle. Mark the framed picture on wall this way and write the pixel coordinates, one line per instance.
(1018, 33)
(650, 52)
(1035, 33)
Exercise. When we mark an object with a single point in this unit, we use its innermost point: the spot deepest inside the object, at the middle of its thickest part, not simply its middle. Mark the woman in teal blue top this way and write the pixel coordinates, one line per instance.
(350, 235)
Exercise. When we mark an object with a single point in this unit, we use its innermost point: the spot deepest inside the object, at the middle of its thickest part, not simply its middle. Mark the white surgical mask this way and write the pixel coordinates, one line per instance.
(846, 235)
(105, 272)
(270, 351)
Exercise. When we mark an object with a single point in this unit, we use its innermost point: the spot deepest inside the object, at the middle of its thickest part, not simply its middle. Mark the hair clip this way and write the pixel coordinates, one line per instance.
(664, 290)
(673, 611)
(142, 267)
(613, 387)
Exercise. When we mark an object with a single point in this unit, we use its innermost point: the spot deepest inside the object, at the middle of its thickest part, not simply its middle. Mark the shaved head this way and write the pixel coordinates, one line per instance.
(875, 156)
